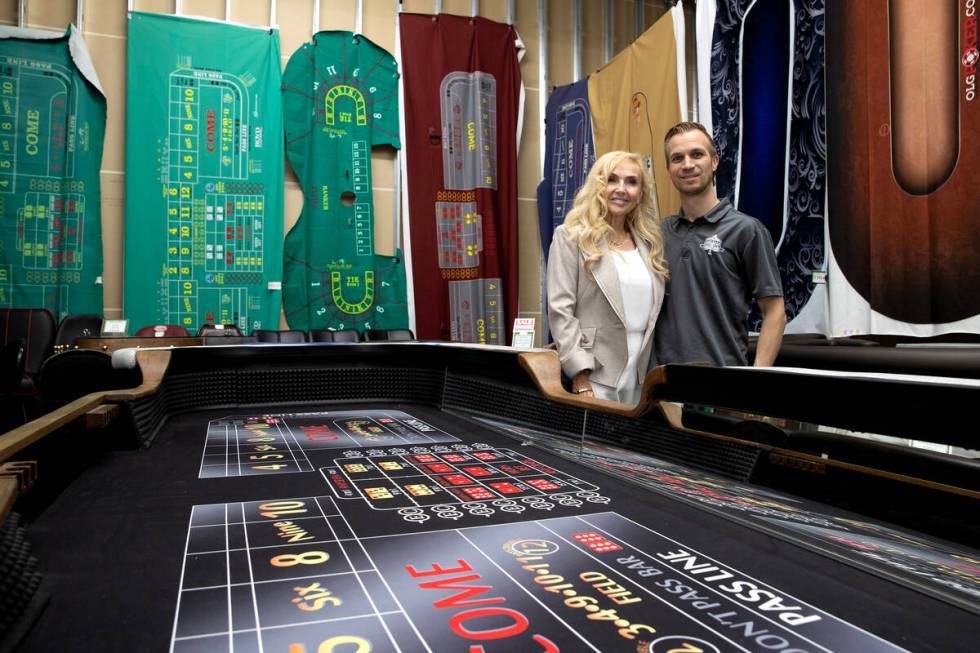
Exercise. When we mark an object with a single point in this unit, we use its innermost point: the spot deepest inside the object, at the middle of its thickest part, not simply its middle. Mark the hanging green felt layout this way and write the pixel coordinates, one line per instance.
(340, 98)
(204, 174)
(52, 123)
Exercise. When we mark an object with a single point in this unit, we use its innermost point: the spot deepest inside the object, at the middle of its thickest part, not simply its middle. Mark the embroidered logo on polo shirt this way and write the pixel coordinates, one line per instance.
(712, 245)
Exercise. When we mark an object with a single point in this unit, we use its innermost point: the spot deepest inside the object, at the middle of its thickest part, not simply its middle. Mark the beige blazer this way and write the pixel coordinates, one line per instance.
(585, 312)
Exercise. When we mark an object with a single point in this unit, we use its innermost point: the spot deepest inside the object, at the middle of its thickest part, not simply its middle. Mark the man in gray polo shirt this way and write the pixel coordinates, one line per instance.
(719, 261)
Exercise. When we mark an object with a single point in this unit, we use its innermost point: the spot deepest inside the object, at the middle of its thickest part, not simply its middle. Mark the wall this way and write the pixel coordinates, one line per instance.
(104, 28)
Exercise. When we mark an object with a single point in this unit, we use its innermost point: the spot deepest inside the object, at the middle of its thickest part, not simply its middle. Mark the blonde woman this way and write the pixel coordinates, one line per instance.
(606, 275)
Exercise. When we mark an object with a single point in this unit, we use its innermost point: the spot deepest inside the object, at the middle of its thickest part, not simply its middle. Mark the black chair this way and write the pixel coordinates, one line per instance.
(374, 335)
(75, 373)
(292, 336)
(227, 340)
(288, 336)
(27, 338)
(328, 335)
(12, 413)
(11, 366)
(266, 335)
(76, 326)
(36, 327)
(212, 330)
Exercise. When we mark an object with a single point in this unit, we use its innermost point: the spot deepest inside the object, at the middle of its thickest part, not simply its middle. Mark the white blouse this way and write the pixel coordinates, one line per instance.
(637, 292)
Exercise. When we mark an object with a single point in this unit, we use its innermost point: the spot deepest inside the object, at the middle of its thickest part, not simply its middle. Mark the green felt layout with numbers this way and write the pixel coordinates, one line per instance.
(340, 98)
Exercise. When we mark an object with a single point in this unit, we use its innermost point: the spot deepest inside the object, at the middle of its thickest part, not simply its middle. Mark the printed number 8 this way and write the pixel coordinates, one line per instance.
(306, 558)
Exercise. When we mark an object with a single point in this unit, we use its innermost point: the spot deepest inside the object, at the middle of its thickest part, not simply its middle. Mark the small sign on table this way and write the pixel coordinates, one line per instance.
(523, 337)
(114, 327)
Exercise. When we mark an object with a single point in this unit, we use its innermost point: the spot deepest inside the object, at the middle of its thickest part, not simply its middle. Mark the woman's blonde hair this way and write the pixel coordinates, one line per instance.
(586, 221)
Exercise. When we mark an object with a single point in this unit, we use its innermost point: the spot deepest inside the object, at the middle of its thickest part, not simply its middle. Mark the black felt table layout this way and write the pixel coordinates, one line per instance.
(399, 527)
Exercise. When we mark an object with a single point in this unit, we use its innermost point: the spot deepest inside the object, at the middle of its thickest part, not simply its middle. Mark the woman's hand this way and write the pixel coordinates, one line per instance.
(581, 385)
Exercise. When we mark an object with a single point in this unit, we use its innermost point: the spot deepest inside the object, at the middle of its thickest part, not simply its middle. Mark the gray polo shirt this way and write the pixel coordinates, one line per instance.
(719, 264)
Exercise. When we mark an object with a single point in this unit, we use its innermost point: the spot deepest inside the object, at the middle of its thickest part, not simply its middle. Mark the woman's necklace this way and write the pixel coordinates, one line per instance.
(622, 241)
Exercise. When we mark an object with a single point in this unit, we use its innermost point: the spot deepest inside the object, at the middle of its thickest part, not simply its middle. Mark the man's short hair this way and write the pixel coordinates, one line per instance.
(689, 126)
